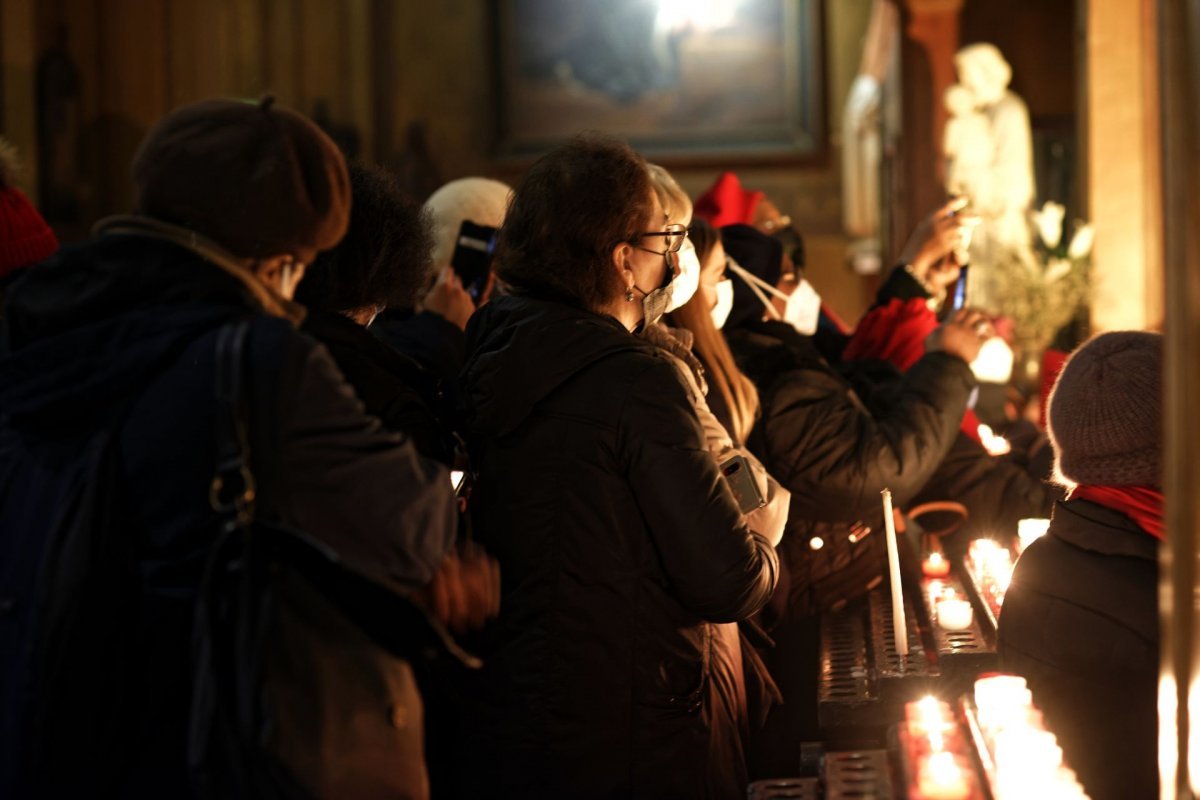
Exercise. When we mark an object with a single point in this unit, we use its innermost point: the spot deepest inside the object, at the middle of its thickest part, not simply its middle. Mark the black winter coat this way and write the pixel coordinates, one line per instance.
(1080, 623)
(437, 344)
(818, 439)
(619, 544)
(120, 333)
(395, 387)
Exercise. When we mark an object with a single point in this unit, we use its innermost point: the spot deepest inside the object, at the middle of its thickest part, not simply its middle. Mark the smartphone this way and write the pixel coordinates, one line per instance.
(472, 258)
(959, 297)
(738, 474)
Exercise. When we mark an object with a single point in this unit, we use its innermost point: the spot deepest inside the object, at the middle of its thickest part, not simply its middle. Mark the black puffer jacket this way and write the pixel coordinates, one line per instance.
(1080, 623)
(819, 440)
(619, 544)
(996, 491)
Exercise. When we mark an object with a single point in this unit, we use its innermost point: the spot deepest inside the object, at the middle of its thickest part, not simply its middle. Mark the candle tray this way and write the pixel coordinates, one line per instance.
(863, 682)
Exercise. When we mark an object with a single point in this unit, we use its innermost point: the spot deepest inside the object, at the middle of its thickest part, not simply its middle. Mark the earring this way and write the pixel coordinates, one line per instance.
(629, 294)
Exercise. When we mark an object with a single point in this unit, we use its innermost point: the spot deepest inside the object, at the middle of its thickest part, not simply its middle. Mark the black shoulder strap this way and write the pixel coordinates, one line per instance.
(373, 607)
(232, 491)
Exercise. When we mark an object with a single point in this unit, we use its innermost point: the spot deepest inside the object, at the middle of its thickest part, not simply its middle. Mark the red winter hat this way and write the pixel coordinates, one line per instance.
(25, 238)
(727, 203)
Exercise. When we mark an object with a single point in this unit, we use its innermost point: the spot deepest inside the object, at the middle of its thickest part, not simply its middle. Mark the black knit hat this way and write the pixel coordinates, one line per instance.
(257, 178)
(760, 255)
(1105, 412)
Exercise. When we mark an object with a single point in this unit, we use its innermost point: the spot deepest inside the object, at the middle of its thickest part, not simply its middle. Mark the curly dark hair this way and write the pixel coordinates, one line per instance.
(575, 204)
(386, 257)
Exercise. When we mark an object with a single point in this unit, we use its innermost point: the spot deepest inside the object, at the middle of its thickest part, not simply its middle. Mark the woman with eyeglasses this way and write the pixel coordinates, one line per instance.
(823, 443)
(619, 542)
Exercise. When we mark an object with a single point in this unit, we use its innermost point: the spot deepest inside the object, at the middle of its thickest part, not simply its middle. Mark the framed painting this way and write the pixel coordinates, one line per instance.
(694, 80)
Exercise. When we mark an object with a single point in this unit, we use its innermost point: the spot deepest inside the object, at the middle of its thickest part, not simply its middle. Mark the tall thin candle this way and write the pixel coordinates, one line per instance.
(899, 626)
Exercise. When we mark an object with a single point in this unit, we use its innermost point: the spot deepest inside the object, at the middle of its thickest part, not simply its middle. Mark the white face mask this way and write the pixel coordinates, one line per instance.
(803, 308)
(720, 312)
(685, 284)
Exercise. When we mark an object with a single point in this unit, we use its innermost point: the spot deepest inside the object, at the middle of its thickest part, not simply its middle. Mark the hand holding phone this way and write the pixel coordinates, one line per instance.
(449, 299)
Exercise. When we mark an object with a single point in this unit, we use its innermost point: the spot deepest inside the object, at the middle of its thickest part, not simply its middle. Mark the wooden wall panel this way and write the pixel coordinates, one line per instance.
(184, 50)
(281, 74)
(357, 46)
(18, 26)
(382, 66)
(132, 87)
(321, 80)
(249, 56)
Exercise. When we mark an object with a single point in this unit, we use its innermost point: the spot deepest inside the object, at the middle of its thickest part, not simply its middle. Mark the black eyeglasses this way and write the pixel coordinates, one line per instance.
(675, 235)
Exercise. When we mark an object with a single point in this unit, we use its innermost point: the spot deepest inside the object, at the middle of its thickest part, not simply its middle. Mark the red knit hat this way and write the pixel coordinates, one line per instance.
(727, 203)
(25, 238)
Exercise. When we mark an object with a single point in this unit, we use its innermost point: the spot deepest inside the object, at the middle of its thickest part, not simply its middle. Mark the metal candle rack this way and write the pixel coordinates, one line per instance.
(864, 683)
(844, 776)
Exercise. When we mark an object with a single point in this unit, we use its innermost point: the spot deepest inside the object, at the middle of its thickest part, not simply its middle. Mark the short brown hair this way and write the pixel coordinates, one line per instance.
(575, 204)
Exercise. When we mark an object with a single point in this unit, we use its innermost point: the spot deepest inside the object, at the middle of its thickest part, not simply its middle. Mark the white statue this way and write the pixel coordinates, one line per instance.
(1000, 186)
(967, 145)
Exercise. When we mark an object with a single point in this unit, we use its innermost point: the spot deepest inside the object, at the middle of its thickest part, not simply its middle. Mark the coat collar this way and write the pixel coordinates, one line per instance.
(1093, 527)
(134, 225)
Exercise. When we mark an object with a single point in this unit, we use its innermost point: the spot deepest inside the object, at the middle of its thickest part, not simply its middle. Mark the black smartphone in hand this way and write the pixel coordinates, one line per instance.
(472, 259)
(958, 299)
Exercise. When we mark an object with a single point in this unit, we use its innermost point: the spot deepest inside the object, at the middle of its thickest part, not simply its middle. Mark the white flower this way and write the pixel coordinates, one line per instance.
(1057, 269)
(1081, 242)
(1049, 222)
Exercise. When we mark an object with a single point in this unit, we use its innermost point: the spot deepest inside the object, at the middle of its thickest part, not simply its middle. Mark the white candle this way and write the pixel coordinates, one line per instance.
(936, 566)
(899, 626)
(999, 690)
(953, 614)
(939, 777)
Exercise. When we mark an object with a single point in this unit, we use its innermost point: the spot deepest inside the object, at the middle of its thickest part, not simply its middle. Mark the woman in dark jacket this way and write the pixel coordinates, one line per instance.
(618, 540)
(819, 438)
(834, 454)
(1080, 618)
(116, 339)
(383, 259)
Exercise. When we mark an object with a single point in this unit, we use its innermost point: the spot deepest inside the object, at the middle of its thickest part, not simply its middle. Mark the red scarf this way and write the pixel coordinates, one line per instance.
(1142, 504)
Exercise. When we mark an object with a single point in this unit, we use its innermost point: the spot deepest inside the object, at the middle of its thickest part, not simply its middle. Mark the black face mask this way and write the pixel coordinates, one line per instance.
(793, 244)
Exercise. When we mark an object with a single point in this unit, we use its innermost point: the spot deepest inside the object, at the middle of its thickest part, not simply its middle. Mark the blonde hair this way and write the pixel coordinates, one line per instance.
(674, 200)
(738, 392)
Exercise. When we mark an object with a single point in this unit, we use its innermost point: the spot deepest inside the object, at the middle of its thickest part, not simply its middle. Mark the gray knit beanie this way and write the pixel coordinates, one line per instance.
(1105, 413)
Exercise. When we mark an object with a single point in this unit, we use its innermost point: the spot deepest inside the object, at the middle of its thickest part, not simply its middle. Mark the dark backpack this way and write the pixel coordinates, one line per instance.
(84, 626)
